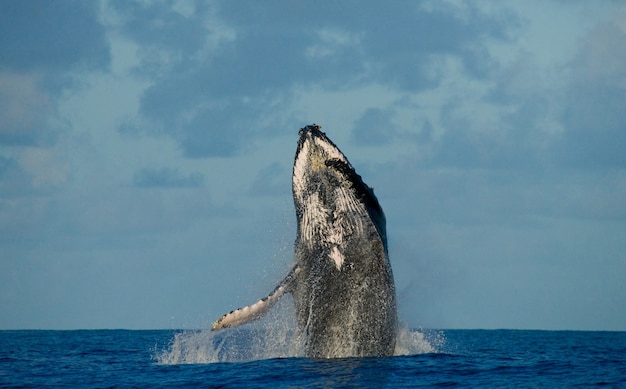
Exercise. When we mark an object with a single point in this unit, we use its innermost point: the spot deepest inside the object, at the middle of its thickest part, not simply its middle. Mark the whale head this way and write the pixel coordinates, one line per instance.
(332, 202)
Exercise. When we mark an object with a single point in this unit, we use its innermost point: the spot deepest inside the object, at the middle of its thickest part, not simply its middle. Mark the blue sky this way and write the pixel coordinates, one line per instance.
(146, 152)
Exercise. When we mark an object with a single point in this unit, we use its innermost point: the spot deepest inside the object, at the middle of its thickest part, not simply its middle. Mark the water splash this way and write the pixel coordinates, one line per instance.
(412, 341)
(271, 339)
(190, 347)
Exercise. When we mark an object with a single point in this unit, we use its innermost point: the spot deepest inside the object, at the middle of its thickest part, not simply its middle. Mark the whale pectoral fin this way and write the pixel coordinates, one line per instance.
(255, 311)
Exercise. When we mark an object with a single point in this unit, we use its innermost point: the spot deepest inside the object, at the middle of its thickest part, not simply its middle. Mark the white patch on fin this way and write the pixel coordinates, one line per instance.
(252, 312)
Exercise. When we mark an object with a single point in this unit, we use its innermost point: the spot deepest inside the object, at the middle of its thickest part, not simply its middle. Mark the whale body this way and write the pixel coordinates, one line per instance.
(341, 280)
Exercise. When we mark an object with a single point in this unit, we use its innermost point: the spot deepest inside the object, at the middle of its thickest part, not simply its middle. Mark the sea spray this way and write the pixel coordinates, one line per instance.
(418, 341)
(273, 337)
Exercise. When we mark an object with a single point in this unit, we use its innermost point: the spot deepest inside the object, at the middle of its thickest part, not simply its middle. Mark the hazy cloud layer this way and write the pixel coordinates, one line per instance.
(213, 93)
(166, 178)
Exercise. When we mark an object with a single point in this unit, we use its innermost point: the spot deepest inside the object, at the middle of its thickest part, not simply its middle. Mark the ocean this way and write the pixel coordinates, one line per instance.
(258, 359)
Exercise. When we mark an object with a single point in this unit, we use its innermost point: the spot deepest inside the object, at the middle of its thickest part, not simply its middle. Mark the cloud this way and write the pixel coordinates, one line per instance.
(34, 171)
(51, 37)
(46, 166)
(44, 50)
(272, 180)
(155, 25)
(166, 178)
(534, 116)
(466, 146)
(409, 53)
(374, 127)
(594, 114)
(25, 110)
(13, 180)
(244, 61)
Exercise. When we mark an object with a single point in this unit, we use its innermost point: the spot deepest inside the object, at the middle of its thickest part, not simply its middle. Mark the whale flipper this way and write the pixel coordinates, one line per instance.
(257, 310)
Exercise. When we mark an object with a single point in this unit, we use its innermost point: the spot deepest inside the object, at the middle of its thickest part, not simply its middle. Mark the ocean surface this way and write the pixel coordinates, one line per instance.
(259, 358)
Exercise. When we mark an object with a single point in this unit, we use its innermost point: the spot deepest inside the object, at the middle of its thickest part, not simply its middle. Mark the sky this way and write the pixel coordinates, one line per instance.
(146, 150)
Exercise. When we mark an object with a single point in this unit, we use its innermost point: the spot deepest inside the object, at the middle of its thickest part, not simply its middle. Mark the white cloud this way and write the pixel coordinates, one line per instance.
(331, 43)
(46, 166)
(24, 108)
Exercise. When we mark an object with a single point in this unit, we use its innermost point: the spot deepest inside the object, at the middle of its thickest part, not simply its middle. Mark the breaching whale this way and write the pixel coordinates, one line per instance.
(341, 282)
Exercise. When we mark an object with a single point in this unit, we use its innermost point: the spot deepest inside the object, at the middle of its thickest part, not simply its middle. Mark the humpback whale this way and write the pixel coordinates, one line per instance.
(341, 280)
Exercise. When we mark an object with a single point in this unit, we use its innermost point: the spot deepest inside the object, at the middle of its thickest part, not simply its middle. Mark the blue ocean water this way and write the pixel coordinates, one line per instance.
(166, 358)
